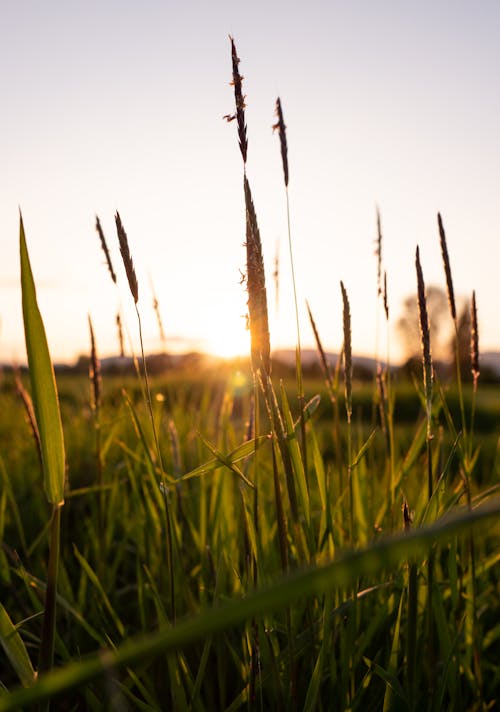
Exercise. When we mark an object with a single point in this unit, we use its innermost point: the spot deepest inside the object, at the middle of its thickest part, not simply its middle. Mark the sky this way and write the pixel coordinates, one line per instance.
(118, 105)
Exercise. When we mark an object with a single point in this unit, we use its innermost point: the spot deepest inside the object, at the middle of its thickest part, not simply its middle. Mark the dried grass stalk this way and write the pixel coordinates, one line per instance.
(424, 332)
(276, 276)
(120, 334)
(382, 398)
(385, 298)
(378, 253)
(447, 269)
(347, 351)
(474, 341)
(156, 308)
(256, 285)
(322, 356)
(94, 371)
(105, 248)
(30, 412)
(240, 103)
(127, 259)
(280, 126)
(175, 447)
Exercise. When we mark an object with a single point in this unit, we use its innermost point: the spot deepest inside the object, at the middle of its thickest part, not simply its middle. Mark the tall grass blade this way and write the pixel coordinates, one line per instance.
(43, 384)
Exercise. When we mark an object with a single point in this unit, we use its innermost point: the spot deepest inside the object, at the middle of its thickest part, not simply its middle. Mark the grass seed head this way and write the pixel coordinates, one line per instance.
(474, 341)
(240, 103)
(257, 294)
(447, 269)
(280, 126)
(120, 334)
(127, 259)
(94, 371)
(156, 309)
(105, 248)
(347, 351)
(384, 295)
(378, 253)
(322, 356)
(424, 332)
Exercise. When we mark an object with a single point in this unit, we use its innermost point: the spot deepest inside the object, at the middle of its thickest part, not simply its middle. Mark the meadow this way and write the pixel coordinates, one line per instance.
(230, 539)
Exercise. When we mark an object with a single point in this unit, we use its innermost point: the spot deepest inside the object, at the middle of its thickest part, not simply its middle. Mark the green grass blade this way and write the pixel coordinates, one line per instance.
(43, 384)
(98, 586)
(15, 650)
(394, 658)
(343, 572)
(296, 456)
(240, 453)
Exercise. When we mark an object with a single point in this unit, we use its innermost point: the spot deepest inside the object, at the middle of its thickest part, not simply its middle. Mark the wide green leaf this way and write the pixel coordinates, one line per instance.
(43, 383)
(15, 649)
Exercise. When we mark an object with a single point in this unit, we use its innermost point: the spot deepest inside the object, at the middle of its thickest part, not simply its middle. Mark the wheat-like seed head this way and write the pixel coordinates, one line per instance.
(347, 351)
(322, 356)
(127, 259)
(424, 332)
(256, 285)
(94, 371)
(240, 103)
(120, 334)
(378, 253)
(447, 269)
(385, 298)
(105, 248)
(280, 126)
(156, 309)
(474, 342)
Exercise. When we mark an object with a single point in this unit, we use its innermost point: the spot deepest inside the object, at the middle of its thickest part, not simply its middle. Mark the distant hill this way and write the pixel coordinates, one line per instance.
(310, 359)
(283, 360)
(491, 361)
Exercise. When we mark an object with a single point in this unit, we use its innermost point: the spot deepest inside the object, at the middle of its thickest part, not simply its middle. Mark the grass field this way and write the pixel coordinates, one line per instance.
(346, 638)
(227, 540)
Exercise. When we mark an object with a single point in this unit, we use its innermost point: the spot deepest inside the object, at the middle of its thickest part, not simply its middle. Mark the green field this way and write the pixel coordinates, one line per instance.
(246, 620)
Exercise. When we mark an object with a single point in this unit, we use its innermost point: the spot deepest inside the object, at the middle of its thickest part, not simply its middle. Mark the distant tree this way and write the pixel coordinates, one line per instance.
(439, 324)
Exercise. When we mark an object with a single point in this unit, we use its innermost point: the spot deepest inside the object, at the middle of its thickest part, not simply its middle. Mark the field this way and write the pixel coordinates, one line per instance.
(256, 612)
(227, 539)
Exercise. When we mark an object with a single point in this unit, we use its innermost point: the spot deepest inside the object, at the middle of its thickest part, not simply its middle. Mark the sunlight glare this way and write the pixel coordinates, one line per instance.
(228, 344)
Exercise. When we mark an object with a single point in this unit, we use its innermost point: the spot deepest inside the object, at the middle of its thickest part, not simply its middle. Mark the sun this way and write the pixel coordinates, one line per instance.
(228, 344)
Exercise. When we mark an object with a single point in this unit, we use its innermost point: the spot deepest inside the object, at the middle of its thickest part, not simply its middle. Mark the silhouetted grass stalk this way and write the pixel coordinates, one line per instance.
(467, 436)
(95, 405)
(474, 357)
(348, 403)
(281, 128)
(383, 374)
(134, 290)
(428, 377)
(453, 312)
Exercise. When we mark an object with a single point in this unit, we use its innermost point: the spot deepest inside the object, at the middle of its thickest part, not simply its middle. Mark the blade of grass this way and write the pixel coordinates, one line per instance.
(43, 384)
(48, 419)
(15, 649)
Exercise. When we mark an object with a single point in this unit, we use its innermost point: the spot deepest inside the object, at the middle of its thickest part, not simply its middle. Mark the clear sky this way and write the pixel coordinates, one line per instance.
(117, 105)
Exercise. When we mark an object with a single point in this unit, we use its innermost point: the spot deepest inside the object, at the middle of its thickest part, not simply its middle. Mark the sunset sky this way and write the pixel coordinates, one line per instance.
(117, 105)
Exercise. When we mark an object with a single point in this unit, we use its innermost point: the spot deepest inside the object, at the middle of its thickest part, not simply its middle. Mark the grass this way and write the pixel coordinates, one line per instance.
(202, 560)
